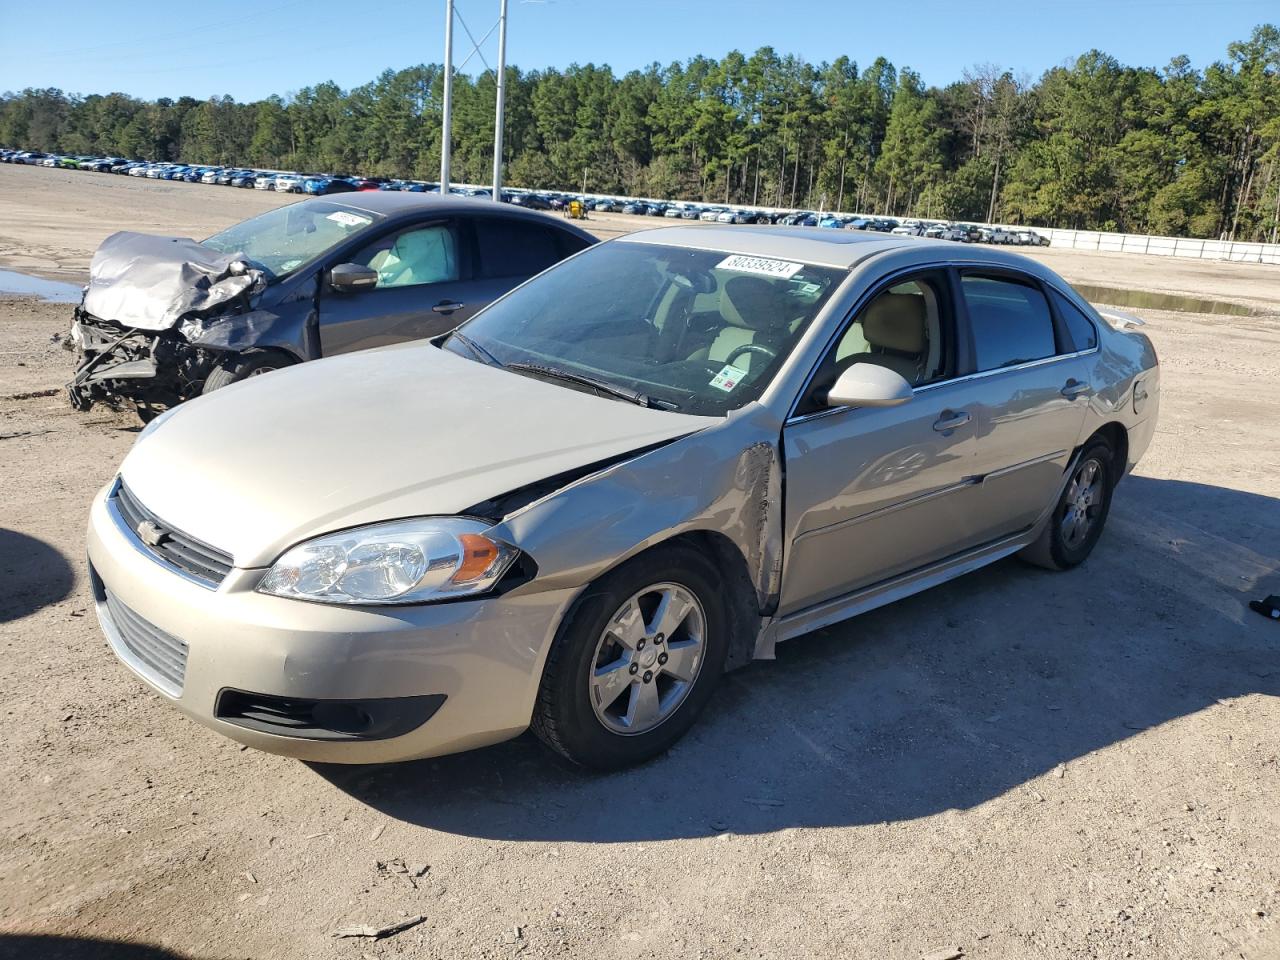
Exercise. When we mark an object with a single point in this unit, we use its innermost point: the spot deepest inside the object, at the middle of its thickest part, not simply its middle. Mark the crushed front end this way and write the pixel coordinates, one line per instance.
(137, 331)
(152, 369)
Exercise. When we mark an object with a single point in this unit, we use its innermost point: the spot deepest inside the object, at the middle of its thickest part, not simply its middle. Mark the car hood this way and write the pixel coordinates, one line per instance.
(409, 430)
(149, 282)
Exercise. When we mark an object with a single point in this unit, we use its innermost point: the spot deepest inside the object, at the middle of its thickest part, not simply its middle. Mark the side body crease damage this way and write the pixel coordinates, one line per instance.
(724, 489)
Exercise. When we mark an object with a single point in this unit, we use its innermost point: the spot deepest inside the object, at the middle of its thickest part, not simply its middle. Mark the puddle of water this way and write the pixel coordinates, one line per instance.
(1115, 297)
(55, 290)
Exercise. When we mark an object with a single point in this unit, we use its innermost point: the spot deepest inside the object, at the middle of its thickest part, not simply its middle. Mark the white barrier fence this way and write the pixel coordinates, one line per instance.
(1235, 251)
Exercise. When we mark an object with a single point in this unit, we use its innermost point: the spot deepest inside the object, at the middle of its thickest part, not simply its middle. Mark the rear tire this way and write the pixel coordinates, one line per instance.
(623, 682)
(242, 367)
(1080, 514)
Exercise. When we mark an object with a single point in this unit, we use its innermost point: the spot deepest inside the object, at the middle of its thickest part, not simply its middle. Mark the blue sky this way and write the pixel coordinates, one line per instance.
(251, 49)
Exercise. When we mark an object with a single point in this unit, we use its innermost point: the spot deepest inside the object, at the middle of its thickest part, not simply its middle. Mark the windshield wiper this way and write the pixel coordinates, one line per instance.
(476, 349)
(609, 389)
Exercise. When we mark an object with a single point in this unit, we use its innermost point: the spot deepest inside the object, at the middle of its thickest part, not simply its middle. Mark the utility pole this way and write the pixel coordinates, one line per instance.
(502, 101)
(446, 120)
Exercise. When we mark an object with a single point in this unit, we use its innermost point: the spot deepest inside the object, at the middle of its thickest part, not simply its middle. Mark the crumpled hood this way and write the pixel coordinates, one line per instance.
(151, 282)
(409, 430)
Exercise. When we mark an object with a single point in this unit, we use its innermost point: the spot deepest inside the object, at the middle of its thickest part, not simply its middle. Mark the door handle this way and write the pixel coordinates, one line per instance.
(1075, 388)
(447, 307)
(950, 420)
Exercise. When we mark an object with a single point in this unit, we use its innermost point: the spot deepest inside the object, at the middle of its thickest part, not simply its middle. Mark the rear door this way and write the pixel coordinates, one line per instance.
(1035, 389)
(423, 290)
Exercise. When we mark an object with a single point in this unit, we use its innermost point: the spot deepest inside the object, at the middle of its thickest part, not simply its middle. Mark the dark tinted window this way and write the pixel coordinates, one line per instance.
(570, 243)
(1010, 321)
(513, 248)
(1084, 335)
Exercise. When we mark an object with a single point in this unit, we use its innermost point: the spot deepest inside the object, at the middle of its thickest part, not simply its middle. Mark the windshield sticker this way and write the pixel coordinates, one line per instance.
(349, 219)
(728, 378)
(760, 265)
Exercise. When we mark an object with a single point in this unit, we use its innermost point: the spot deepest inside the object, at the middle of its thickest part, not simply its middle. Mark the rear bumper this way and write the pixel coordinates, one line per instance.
(1140, 435)
(481, 661)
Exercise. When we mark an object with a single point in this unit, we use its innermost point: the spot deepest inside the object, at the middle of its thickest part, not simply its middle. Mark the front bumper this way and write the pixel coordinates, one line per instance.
(484, 657)
(112, 364)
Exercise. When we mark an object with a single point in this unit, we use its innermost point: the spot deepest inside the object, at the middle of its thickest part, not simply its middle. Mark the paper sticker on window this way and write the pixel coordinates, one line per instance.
(728, 378)
(348, 219)
(762, 265)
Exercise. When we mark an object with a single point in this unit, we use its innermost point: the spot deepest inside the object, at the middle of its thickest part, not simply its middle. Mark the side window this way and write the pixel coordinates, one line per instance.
(413, 257)
(904, 327)
(570, 243)
(515, 248)
(1010, 321)
(1084, 335)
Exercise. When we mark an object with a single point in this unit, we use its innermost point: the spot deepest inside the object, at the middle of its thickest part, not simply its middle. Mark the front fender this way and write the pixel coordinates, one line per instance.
(726, 479)
(292, 329)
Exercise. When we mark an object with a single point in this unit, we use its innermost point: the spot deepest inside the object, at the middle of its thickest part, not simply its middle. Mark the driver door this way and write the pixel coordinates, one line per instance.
(421, 291)
(875, 492)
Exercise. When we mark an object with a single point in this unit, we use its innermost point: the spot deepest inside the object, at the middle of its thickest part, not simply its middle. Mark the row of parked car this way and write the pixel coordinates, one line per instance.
(320, 184)
(936, 229)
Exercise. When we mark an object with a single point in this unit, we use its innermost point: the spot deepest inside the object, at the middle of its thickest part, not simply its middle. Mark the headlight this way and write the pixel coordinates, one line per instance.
(404, 561)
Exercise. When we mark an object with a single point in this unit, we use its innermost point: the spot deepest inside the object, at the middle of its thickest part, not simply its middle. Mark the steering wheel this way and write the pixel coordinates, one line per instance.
(757, 348)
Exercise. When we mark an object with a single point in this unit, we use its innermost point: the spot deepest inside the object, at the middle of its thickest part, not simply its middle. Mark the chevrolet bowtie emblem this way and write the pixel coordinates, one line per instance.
(151, 533)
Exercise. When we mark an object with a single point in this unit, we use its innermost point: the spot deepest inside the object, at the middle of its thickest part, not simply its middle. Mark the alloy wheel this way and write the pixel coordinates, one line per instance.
(647, 659)
(1083, 502)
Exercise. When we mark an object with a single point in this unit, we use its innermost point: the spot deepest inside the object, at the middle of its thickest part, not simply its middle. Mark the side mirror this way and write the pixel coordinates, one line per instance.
(869, 385)
(352, 278)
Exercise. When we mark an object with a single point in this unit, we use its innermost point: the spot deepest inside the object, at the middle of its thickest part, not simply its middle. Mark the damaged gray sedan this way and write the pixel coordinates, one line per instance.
(644, 467)
(165, 319)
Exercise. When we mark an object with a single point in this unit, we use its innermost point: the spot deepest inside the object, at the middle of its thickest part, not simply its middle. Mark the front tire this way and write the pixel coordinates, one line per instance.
(1080, 514)
(242, 367)
(635, 661)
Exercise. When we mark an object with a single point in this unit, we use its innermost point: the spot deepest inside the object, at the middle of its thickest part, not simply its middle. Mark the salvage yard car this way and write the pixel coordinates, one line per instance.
(165, 319)
(649, 464)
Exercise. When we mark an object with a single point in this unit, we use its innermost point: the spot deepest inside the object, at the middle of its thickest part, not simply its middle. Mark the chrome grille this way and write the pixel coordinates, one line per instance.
(159, 656)
(198, 561)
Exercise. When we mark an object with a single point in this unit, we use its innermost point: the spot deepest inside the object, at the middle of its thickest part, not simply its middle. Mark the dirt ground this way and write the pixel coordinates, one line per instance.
(1017, 764)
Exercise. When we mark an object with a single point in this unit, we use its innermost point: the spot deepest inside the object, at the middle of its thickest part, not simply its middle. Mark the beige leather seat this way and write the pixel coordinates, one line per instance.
(754, 310)
(895, 327)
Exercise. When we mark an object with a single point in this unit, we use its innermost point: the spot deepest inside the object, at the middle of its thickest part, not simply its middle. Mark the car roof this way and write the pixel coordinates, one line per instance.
(844, 249)
(831, 248)
(396, 204)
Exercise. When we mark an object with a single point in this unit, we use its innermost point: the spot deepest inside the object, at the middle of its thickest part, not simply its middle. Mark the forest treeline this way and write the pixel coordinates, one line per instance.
(1091, 144)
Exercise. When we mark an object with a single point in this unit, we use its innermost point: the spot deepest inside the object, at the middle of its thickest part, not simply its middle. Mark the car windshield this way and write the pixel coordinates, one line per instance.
(284, 239)
(699, 331)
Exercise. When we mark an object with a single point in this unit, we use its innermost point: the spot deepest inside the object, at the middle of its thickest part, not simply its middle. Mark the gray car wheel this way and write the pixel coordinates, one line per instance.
(243, 367)
(647, 659)
(635, 660)
(1081, 513)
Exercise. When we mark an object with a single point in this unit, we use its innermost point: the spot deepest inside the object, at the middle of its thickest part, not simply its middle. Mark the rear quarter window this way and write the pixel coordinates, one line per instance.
(1084, 335)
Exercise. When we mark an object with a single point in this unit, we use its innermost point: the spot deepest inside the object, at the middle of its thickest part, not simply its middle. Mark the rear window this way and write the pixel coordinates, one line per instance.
(1010, 321)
